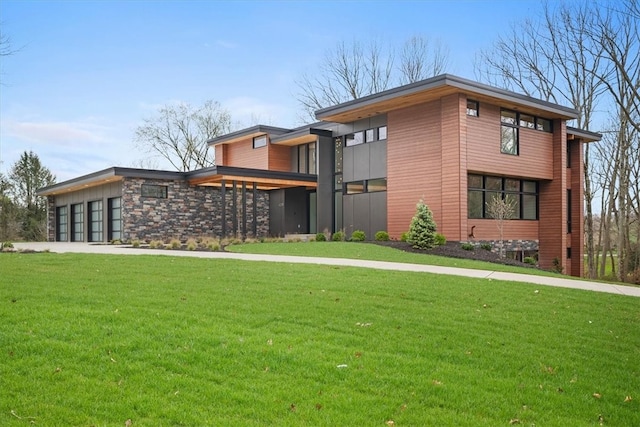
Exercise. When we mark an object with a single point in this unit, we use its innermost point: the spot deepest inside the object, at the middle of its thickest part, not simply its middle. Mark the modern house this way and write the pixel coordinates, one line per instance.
(452, 142)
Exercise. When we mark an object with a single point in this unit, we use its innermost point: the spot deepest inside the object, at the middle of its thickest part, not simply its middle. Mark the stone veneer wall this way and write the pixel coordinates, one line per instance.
(188, 211)
(51, 218)
(509, 245)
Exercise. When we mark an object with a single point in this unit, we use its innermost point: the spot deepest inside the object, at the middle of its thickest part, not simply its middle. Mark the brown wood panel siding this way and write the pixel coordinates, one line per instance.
(454, 170)
(553, 205)
(241, 154)
(483, 148)
(219, 153)
(577, 211)
(280, 158)
(414, 162)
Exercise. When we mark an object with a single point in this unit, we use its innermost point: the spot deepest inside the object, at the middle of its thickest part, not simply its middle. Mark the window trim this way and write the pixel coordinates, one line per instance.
(154, 191)
(475, 110)
(504, 192)
(259, 141)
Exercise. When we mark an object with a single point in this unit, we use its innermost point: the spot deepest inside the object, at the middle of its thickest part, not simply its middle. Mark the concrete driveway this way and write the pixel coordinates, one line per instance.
(562, 282)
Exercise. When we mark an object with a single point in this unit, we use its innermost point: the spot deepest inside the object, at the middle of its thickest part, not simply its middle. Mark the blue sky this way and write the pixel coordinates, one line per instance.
(88, 72)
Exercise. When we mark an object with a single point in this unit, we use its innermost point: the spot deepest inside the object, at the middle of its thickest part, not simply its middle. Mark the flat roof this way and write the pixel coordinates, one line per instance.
(249, 132)
(215, 175)
(435, 88)
(585, 135)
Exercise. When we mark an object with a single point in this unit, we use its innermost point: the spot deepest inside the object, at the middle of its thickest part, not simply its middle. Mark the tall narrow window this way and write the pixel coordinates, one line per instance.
(382, 133)
(77, 224)
(95, 221)
(509, 132)
(568, 211)
(115, 218)
(62, 221)
(312, 158)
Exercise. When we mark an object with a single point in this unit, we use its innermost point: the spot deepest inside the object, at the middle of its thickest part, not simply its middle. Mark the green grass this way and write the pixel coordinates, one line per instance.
(375, 252)
(97, 340)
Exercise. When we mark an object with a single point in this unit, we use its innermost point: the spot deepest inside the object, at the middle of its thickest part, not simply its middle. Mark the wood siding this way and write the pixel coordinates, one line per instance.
(414, 164)
(576, 180)
(553, 205)
(280, 158)
(483, 148)
(453, 206)
(241, 154)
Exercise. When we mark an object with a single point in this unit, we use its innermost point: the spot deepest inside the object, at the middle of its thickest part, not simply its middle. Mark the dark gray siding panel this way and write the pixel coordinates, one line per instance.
(296, 210)
(325, 152)
(377, 160)
(378, 208)
(360, 162)
(276, 213)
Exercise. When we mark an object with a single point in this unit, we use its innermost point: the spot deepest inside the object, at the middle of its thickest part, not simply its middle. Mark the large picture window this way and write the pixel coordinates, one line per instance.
(77, 224)
(512, 122)
(482, 189)
(62, 222)
(95, 221)
(115, 218)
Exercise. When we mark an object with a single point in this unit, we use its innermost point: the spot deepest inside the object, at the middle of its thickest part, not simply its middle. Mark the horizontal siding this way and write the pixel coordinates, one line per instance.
(219, 153)
(483, 148)
(279, 158)
(241, 154)
(414, 162)
(453, 167)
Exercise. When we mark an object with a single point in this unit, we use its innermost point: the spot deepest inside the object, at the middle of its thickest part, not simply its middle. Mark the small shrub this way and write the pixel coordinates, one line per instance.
(213, 245)
(529, 260)
(320, 237)
(404, 236)
(192, 244)
(174, 244)
(440, 239)
(358, 236)
(338, 236)
(116, 242)
(422, 230)
(486, 246)
(6, 245)
(135, 243)
(556, 265)
(468, 246)
(156, 244)
(382, 236)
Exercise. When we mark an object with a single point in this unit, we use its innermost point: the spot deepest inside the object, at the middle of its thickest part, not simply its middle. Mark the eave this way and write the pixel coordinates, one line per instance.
(435, 88)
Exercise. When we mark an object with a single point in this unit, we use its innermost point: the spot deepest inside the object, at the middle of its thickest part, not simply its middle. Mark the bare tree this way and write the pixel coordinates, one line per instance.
(179, 134)
(419, 61)
(501, 210)
(558, 60)
(353, 70)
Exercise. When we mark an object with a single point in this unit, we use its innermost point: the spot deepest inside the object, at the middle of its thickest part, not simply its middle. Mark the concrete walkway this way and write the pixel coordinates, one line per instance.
(559, 281)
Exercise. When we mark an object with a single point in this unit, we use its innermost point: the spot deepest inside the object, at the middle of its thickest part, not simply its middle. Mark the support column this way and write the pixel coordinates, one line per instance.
(223, 210)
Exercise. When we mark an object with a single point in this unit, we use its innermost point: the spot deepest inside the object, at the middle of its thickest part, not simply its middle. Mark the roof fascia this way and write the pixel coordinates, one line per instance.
(447, 80)
(585, 135)
(253, 130)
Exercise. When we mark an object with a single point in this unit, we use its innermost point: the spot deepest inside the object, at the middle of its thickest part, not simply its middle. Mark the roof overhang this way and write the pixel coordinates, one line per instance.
(436, 88)
(103, 177)
(244, 134)
(300, 136)
(263, 179)
(584, 135)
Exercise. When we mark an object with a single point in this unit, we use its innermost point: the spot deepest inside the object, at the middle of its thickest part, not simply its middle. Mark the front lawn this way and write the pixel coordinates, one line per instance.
(99, 340)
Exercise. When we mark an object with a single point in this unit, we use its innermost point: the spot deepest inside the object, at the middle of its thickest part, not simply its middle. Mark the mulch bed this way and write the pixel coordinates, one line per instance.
(454, 250)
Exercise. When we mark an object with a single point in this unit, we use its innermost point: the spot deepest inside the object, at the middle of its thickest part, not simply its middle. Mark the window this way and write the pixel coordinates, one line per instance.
(543, 125)
(527, 121)
(375, 185)
(382, 133)
(481, 189)
(568, 253)
(472, 108)
(77, 224)
(95, 221)
(156, 191)
(366, 186)
(355, 187)
(62, 218)
(311, 162)
(260, 141)
(568, 211)
(509, 132)
(115, 218)
(369, 135)
(354, 139)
